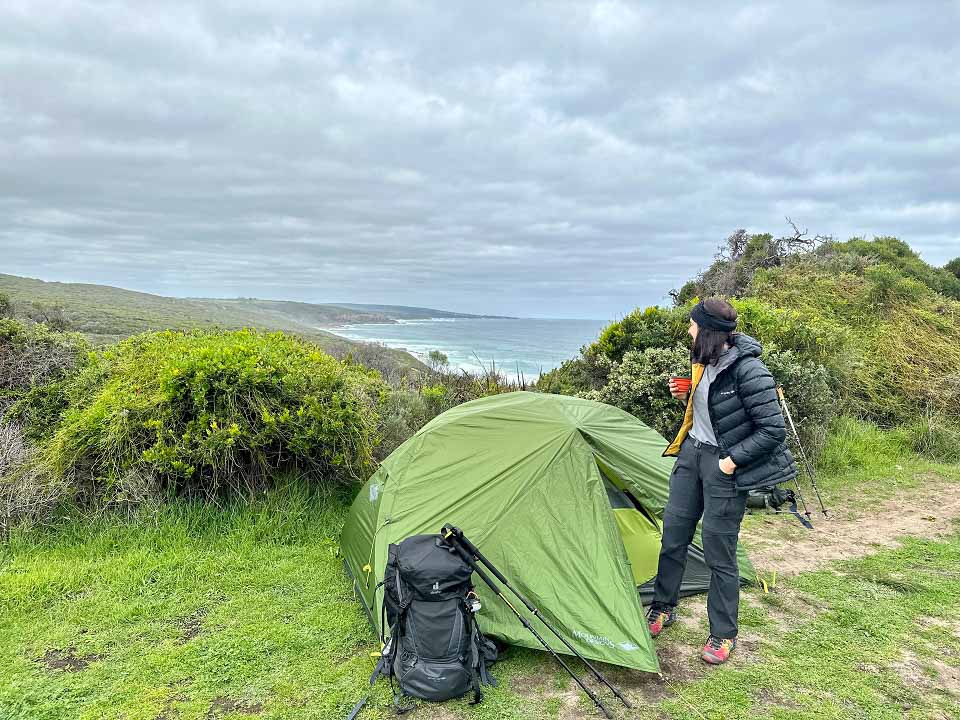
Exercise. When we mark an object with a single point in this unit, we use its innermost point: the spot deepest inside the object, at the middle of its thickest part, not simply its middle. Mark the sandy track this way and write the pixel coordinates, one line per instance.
(781, 544)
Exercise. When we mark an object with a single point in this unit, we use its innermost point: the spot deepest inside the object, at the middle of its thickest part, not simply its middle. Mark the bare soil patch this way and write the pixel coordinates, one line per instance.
(541, 685)
(67, 660)
(222, 705)
(927, 673)
(191, 626)
(789, 550)
(168, 711)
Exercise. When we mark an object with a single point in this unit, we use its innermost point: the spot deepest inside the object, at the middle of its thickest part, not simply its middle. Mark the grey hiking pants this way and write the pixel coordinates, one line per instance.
(698, 488)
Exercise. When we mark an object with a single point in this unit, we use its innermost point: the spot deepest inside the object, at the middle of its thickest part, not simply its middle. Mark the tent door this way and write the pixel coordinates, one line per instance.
(639, 532)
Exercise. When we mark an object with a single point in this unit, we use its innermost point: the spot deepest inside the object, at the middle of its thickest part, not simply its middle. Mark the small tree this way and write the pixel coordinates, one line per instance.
(437, 361)
(740, 257)
(6, 306)
(953, 266)
(53, 316)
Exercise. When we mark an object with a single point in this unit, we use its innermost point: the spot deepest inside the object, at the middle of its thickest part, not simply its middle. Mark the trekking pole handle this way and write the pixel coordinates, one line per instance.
(453, 531)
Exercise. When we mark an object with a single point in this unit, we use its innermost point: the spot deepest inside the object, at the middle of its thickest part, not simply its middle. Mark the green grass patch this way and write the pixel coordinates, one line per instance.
(186, 610)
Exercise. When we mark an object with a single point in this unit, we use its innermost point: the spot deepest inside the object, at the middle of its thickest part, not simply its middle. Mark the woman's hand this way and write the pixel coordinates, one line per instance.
(727, 466)
(675, 392)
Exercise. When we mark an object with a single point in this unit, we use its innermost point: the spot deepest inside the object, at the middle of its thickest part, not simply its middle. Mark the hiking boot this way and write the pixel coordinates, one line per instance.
(659, 618)
(717, 650)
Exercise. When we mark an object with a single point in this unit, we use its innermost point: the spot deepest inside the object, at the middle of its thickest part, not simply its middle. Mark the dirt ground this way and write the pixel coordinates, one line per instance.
(781, 544)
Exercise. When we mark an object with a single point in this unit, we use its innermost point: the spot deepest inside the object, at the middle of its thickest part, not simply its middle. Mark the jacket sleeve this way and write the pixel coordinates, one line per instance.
(758, 393)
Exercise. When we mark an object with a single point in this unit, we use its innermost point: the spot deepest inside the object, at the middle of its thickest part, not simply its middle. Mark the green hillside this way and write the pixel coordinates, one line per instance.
(104, 313)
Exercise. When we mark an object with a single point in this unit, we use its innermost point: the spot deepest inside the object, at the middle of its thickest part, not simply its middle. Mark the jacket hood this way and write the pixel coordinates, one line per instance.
(748, 346)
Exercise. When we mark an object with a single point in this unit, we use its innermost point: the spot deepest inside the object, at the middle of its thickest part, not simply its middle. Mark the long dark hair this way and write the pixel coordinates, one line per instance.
(708, 346)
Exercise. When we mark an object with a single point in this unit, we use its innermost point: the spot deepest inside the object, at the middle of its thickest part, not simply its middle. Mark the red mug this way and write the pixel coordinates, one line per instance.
(682, 384)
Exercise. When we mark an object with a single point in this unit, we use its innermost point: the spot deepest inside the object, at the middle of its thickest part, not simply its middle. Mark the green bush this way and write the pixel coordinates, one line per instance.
(587, 372)
(889, 287)
(898, 347)
(26, 492)
(406, 410)
(953, 267)
(638, 384)
(654, 327)
(34, 363)
(813, 339)
(897, 254)
(810, 397)
(206, 411)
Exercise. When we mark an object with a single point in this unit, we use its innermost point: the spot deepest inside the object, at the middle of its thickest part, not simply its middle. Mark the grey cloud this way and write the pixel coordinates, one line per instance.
(526, 158)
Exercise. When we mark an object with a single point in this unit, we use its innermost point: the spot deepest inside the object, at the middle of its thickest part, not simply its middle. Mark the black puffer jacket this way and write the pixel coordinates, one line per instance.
(747, 420)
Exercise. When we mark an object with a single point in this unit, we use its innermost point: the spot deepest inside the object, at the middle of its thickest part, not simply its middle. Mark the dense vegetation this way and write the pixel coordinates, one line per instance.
(205, 412)
(859, 328)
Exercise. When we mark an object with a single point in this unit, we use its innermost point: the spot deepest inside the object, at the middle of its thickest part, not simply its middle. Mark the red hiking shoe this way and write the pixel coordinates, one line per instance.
(659, 618)
(717, 650)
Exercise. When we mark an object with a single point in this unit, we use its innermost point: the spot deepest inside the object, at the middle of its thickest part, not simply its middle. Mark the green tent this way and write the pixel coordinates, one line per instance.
(563, 495)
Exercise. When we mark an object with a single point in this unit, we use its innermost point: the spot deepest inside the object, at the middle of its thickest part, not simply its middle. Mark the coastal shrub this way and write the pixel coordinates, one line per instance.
(202, 412)
(590, 371)
(34, 363)
(638, 384)
(653, 327)
(418, 397)
(898, 255)
(953, 267)
(406, 410)
(817, 340)
(740, 257)
(809, 394)
(900, 342)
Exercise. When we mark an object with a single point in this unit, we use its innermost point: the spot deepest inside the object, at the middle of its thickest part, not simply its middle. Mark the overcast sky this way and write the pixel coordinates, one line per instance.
(546, 159)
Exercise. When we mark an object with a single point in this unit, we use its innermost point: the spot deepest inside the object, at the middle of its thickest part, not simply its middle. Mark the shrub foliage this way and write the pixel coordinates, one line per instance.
(34, 362)
(206, 411)
(864, 328)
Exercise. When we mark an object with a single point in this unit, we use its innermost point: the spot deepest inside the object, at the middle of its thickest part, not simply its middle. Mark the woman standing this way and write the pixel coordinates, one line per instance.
(731, 440)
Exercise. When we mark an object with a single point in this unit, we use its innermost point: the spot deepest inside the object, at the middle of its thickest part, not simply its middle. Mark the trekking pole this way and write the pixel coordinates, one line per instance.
(803, 454)
(796, 480)
(455, 532)
(453, 540)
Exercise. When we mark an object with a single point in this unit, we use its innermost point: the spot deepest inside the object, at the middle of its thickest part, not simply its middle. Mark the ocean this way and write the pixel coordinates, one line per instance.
(522, 345)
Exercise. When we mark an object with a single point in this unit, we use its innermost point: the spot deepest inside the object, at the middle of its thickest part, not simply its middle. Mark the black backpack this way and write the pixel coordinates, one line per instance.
(435, 650)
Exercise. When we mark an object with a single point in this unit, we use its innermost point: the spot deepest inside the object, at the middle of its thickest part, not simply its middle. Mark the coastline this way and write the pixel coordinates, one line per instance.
(514, 347)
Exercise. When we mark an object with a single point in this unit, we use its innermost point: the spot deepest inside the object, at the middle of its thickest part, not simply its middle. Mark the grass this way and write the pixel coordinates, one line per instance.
(189, 611)
(840, 663)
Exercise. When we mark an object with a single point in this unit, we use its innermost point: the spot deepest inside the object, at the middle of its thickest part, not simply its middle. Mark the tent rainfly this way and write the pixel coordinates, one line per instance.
(565, 496)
